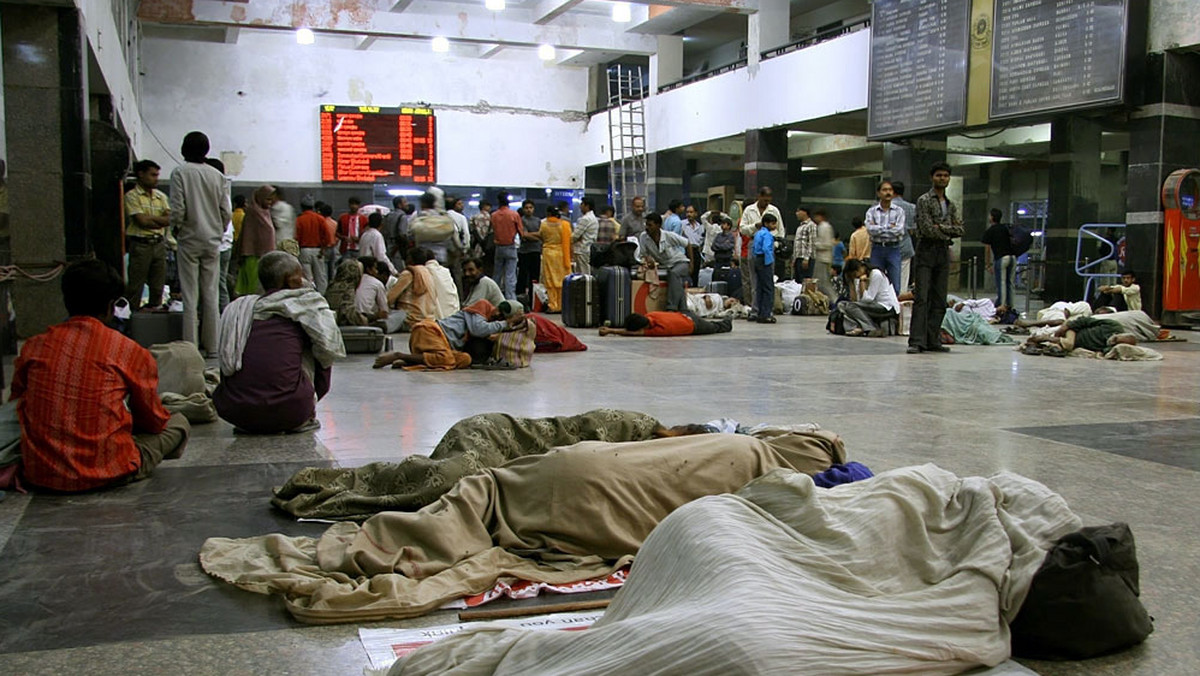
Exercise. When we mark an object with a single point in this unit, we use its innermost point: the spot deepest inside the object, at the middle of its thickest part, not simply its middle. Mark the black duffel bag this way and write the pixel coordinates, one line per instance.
(1083, 601)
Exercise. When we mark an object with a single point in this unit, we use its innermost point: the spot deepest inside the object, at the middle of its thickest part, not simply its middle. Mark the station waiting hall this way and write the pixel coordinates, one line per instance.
(600, 337)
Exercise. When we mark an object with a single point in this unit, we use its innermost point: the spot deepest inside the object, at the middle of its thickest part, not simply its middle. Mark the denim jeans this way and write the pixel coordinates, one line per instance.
(886, 257)
(1004, 268)
(506, 270)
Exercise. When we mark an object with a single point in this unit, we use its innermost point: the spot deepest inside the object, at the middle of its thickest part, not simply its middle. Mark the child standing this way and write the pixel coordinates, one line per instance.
(763, 251)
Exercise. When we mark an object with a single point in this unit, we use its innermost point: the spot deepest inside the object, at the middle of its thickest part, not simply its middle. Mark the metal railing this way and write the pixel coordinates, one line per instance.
(817, 38)
(1090, 269)
(720, 70)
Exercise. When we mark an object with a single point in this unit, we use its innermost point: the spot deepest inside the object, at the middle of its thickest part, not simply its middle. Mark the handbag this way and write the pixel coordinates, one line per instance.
(1083, 601)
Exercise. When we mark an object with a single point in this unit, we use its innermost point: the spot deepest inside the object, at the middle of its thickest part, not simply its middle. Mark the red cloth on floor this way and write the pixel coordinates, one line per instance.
(554, 338)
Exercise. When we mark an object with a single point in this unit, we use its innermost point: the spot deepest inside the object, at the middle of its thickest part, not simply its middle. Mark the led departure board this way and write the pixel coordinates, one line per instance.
(1059, 55)
(363, 144)
(918, 66)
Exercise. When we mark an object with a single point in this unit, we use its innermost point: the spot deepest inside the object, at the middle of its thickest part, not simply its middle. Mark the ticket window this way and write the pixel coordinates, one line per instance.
(1181, 224)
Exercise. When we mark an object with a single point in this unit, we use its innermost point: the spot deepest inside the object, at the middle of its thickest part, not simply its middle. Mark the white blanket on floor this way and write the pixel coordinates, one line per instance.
(914, 571)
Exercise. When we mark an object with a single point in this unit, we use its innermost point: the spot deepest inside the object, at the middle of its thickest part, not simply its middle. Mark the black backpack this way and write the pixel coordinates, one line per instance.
(1021, 239)
(1083, 601)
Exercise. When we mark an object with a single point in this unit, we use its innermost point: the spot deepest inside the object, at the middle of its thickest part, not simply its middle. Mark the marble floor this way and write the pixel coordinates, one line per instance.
(108, 583)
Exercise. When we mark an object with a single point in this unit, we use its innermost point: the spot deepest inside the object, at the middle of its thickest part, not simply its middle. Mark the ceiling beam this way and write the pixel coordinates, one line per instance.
(364, 43)
(424, 20)
(673, 20)
(400, 6)
(231, 35)
(548, 10)
(488, 51)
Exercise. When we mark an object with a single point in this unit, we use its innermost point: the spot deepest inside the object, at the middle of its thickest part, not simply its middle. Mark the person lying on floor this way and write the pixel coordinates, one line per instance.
(1089, 333)
(984, 307)
(1136, 322)
(714, 305)
(277, 352)
(441, 344)
(666, 324)
(1057, 313)
(87, 396)
(470, 446)
(575, 513)
(876, 305)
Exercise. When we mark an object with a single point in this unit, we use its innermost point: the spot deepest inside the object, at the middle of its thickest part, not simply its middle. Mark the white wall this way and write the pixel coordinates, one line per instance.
(807, 84)
(258, 100)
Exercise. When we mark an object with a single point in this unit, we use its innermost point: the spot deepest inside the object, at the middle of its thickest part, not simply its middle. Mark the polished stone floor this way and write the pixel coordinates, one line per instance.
(108, 583)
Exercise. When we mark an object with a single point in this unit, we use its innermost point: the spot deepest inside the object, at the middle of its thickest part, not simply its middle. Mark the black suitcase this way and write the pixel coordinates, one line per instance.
(154, 328)
(733, 280)
(580, 302)
(616, 284)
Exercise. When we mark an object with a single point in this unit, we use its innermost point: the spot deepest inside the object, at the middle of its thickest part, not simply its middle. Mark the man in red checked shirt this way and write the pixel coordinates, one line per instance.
(87, 396)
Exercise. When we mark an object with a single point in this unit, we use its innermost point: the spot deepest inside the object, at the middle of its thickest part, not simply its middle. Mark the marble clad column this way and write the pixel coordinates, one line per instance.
(910, 163)
(1074, 201)
(1164, 135)
(664, 179)
(766, 164)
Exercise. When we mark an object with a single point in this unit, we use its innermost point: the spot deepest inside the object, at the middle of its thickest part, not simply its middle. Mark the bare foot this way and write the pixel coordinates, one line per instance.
(386, 359)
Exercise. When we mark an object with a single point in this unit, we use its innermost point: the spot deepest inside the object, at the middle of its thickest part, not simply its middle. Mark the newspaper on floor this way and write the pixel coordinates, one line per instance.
(385, 646)
(524, 589)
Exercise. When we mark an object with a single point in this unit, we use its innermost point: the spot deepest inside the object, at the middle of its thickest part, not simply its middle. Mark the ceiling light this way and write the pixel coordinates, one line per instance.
(546, 52)
(494, 5)
(441, 44)
(305, 36)
(622, 12)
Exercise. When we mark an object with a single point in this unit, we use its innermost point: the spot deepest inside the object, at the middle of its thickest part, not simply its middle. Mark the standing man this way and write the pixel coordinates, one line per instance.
(998, 254)
(462, 236)
(583, 236)
(804, 253)
(200, 209)
(938, 223)
(886, 228)
(393, 225)
(483, 246)
(283, 217)
(633, 224)
(693, 230)
(506, 235)
(669, 250)
(752, 215)
(529, 257)
(350, 227)
(147, 215)
(672, 221)
(910, 226)
(313, 236)
(823, 254)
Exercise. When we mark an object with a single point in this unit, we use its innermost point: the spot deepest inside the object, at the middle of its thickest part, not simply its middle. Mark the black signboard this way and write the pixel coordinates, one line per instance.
(1058, 55)
(918, 80)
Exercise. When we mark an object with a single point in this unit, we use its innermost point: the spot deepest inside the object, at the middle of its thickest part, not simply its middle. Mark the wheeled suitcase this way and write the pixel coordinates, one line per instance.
(706, 277)
(362, 339)
(733, 281)
(717, 287)
(580, 301)
(616, 284)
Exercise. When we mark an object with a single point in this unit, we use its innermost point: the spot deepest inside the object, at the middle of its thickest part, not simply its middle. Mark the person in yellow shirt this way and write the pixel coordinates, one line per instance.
(147, 211)
(239, 213)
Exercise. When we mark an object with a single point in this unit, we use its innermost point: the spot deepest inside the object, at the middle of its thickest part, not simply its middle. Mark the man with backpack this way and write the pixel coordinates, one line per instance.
(1000, 259)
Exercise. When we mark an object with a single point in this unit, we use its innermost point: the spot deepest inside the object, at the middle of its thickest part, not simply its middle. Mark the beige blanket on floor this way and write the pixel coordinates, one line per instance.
(914, 571)
(575, 513)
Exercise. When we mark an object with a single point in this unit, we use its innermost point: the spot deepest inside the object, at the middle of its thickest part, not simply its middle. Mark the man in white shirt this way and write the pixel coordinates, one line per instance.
(372, 243)
(462, 237)
(447, 290)
(583, 236)
(371, 296)
(200, 208)
(712, 221)
(283, 217)
(886, 225)
(876, 304)
(751, 216)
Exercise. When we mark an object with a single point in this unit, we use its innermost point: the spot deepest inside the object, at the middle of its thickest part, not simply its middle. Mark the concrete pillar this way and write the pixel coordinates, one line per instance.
(910, 163)
(1074, 201)
(976, 202)
(664, 179)
(768, 28)
(49, 186)
(1164, 135)
(766, 164)
(595, 185)
(666, 64)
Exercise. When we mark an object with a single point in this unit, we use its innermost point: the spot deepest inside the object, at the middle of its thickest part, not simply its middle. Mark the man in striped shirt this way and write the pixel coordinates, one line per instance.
(88, 396)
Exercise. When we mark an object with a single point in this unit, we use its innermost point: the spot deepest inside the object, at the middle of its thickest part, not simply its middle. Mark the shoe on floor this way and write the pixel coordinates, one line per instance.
(878, 333)
(855, 332)
(915, 349)
(939, 348)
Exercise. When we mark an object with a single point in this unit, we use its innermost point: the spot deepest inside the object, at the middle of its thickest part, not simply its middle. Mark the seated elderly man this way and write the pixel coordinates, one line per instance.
(87, 396)
(441, 345)
(478, 286)
(667, 324)
(415, 291)
(277, 351)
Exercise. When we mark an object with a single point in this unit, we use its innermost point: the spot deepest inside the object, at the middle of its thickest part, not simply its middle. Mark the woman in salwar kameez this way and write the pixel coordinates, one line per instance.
(556, 256)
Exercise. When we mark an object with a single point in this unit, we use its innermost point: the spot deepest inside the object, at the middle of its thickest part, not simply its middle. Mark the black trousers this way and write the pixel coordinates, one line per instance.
(529, 270)
(706, 327)
(931, 274)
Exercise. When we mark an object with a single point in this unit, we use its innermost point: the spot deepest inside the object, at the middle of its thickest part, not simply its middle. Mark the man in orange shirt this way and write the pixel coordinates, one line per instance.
(667, 324)
(88, 396)
(313, 236)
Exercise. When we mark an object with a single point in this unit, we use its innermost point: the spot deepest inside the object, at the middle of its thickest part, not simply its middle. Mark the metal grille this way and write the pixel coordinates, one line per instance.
(627, 87)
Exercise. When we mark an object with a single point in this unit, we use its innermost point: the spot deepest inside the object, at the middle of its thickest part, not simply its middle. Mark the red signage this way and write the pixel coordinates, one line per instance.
(367, 144)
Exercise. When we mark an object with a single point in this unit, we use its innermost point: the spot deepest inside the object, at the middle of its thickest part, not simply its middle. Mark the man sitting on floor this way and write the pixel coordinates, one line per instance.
(88, 397)
(1124, 296)
(371, 297)
(277, 351)
(441, 345)
(414, 291)
(478, 285)
(665, 324)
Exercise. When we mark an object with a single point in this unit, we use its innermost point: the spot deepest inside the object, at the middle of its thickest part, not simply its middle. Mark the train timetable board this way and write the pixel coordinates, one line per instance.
(364, 144)
(1062, 55)
(918, 71)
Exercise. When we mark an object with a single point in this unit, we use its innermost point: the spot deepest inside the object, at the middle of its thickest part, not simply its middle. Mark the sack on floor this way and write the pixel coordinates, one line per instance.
(801, 305)
(1083, 601)
(818, 303)
(834, 325)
